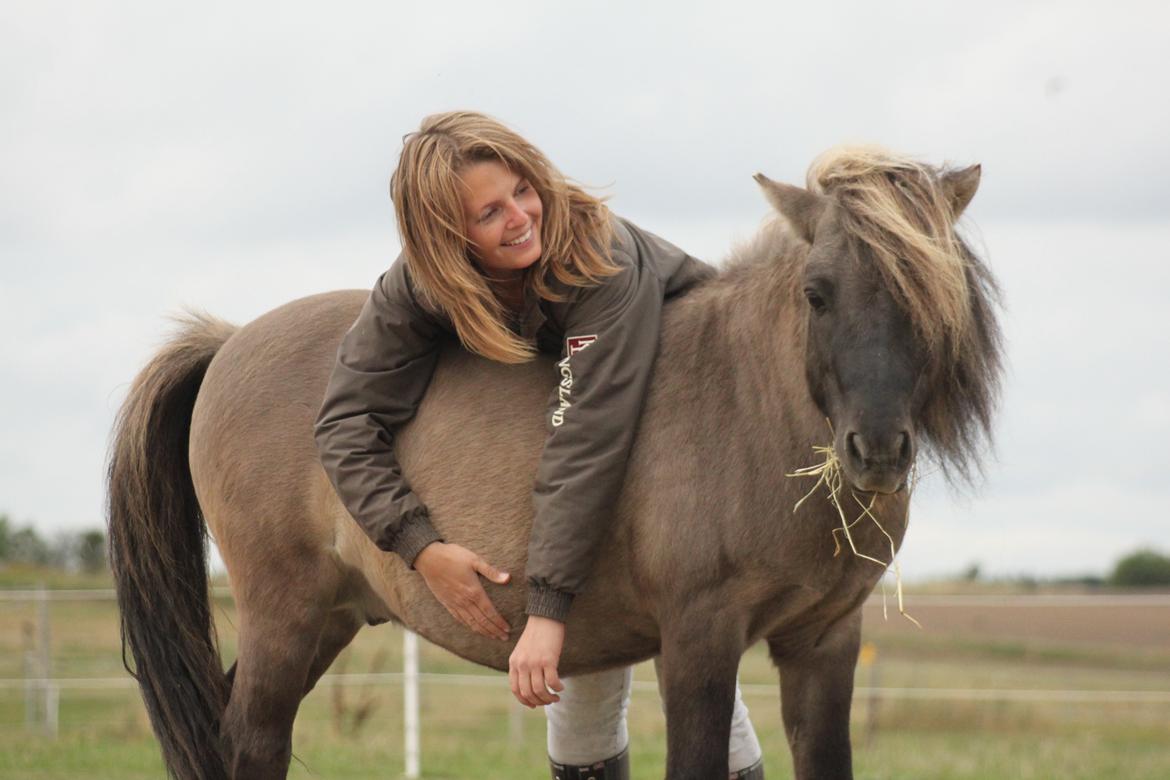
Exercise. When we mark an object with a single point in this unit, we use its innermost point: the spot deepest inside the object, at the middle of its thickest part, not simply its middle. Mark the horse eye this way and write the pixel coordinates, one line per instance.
(815, 301)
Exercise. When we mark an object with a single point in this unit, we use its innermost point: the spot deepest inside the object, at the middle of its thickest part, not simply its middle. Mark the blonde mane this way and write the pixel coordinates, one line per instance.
(898, 209)
(898, 212)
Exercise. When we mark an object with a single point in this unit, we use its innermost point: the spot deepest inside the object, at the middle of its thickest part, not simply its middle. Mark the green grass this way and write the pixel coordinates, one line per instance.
(477, 731)
(466, 733)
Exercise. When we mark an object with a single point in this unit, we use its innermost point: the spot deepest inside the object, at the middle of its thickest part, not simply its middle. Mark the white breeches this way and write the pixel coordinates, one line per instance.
(588, 724)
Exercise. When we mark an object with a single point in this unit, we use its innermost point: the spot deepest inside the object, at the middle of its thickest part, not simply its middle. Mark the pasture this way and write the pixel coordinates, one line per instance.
(1058, 659)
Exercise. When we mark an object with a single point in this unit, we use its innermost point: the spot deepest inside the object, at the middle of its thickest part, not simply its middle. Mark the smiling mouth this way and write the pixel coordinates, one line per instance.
(522, 239)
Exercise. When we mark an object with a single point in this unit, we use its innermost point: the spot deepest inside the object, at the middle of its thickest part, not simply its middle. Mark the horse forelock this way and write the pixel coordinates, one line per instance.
(899, 209)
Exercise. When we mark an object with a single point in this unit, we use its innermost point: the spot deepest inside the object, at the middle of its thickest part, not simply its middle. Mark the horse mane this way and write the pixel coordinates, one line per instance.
(900, 211)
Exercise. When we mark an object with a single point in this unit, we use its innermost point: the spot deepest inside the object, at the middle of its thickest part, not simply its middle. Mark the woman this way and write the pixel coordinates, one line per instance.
(505, 255)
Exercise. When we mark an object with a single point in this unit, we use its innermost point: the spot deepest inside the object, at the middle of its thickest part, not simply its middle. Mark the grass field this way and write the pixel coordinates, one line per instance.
(477, 731)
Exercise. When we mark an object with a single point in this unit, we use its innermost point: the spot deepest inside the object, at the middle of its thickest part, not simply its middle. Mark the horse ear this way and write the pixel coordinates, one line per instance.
(960, 187)
(800, 207)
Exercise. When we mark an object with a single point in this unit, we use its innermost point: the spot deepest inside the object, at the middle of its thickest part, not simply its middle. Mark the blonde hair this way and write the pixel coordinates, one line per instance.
(897, 207)
(575, 228)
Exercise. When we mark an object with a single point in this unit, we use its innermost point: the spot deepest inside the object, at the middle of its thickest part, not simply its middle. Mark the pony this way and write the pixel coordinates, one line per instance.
(857, 303)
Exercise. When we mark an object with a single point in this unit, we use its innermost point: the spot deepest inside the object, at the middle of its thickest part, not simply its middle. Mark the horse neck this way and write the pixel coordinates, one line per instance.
(744, 336)
(731, 364)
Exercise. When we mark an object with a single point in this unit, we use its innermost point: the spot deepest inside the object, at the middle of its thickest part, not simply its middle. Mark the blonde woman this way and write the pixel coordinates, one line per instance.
(501, 252)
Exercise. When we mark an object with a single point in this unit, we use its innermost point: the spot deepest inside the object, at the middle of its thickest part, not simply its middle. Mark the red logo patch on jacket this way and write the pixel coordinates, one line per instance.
(575, 344)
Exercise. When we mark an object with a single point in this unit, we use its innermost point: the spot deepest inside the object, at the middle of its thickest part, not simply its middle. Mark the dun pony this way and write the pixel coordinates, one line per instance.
(859, 303)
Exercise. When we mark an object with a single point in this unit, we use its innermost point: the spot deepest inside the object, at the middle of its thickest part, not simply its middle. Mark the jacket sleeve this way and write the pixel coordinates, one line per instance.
(611, 338)
(383, 367)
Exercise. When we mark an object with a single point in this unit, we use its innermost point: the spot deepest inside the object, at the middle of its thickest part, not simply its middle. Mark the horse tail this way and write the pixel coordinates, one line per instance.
(158, 554)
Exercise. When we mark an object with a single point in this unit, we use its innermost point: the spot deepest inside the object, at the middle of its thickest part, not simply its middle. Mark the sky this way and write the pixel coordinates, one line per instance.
(233, 157)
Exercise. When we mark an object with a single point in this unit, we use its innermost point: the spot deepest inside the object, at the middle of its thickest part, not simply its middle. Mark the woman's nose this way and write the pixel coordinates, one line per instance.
(516, 215)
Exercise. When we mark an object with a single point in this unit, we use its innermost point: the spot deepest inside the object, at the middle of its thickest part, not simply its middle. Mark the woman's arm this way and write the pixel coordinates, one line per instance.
(611, 339)
(383, 367)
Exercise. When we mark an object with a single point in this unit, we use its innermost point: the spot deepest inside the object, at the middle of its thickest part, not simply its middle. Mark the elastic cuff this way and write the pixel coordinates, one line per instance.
(415, 533)
(616, 768)
(753, 772)
(549, 603)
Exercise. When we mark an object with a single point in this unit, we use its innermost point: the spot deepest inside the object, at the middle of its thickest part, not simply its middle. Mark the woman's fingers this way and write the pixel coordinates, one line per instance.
(481, 597)
(540, 690)
(529, 684)
(472, 620)
(552, 679)
(487, 617)
(462, 614)
(524, 686)
(452, 573)
(532, 667)
(488, 610)
(491, 572)
(469, 615)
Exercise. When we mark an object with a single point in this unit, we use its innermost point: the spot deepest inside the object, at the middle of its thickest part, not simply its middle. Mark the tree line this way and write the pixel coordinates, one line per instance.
(86, 551)
(70, 550)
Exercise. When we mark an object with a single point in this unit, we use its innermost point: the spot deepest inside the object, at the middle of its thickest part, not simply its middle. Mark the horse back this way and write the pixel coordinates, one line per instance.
(470, 454)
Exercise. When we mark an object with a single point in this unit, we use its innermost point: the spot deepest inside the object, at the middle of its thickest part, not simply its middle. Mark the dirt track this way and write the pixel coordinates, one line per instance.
(1088, 620)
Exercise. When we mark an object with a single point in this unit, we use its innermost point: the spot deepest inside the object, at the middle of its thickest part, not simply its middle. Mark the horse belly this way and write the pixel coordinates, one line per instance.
(471, 455)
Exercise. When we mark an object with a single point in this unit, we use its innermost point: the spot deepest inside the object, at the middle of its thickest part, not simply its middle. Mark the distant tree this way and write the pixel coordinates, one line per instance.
(1143, 568)
(90, 550)
(26, 546)
(972, 573)
(1083, 580)
(1026, 582)
(63, 551)
(5, 534)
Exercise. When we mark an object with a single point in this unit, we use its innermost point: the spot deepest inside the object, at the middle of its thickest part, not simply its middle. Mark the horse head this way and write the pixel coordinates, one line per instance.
(901, 347)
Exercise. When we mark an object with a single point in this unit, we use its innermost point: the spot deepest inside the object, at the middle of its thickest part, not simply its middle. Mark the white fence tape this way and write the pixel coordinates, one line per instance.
(1089, 696)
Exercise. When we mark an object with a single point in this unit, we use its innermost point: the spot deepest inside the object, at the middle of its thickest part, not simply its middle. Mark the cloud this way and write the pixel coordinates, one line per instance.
(232, 157)
(1067, 528)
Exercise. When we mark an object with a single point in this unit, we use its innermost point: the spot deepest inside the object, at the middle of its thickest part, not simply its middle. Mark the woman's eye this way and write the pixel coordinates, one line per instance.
(487, 215)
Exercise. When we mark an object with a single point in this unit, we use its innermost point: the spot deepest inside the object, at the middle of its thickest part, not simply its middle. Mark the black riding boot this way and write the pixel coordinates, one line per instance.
(753, 772)
(616, 768)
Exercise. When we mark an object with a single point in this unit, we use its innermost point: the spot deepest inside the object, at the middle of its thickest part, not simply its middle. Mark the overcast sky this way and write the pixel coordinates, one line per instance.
(234, 156)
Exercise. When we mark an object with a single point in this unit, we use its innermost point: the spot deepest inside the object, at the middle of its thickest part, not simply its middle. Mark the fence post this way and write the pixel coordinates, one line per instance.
(48, 707)
(867, 660)
(52, 709)
(39, 714)
(410, 701)
(29, 643)
(515, 722)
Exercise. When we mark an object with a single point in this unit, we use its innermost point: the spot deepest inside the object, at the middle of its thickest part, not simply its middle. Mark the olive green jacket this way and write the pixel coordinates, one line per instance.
(606, 336)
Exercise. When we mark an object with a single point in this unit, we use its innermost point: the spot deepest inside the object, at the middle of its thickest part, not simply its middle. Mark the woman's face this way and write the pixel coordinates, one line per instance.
(502, 213)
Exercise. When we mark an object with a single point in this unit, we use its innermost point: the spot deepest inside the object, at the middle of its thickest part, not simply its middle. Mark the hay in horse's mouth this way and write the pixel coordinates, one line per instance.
(828, 473)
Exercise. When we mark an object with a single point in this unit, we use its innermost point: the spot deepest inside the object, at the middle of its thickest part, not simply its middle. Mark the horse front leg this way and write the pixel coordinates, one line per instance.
(816, 690)
(701, 650)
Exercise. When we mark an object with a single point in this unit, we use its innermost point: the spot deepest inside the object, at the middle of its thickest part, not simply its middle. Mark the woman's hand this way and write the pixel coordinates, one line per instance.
(532, 669)
(450, 571)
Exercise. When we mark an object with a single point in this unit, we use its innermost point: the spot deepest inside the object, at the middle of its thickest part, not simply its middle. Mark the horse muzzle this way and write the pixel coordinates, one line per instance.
(877, 462)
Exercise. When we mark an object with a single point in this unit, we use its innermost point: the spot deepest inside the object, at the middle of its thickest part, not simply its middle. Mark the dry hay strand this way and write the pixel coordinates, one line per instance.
(828, 473)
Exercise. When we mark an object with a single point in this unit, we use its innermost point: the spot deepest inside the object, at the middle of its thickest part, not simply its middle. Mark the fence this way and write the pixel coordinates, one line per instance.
(42, 690)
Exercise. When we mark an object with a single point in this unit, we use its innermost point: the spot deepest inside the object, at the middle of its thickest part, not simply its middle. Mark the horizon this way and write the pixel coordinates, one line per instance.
(233, 159)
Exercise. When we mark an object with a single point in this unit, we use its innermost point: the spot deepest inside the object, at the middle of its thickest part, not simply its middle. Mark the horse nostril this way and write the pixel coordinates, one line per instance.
(904, 446)
(855, 447)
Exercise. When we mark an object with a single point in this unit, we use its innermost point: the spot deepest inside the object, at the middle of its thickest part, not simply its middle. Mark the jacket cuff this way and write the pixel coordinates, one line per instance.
(549, 603)
(414, 533)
